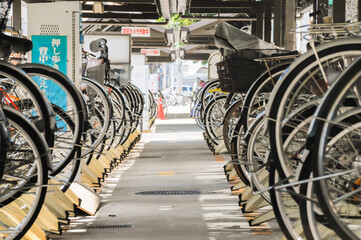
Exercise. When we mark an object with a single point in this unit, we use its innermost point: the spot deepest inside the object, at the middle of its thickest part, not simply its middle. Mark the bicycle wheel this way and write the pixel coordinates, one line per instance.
(205, 92)
(257, 96)
(302, 83)
(128, 119)
(314, 222)
(230, 122)
(99, 108)
(285, 207)
(25, 176)
(257, 157)
(254, 103)
(337, 128)
(25, 96)
(69, 107)
(61, 151)
(213, 118)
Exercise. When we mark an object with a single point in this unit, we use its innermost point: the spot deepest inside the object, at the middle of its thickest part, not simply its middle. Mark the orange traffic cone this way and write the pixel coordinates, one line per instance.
(160, 110)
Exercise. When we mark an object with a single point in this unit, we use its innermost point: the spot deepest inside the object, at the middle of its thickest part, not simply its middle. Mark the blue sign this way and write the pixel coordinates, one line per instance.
(51, 51)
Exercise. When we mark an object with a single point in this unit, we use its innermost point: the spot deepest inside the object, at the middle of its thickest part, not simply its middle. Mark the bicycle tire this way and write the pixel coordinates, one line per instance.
(40, 147)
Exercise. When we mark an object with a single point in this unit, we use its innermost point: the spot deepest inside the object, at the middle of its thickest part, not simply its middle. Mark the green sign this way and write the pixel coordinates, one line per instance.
(330, 2)
(51, 51)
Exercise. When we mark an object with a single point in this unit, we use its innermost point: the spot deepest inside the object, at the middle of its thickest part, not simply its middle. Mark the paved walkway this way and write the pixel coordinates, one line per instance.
(174, 157)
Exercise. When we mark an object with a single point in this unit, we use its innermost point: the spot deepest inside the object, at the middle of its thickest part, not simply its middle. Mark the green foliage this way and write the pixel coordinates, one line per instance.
(161, 19)
(176, 22)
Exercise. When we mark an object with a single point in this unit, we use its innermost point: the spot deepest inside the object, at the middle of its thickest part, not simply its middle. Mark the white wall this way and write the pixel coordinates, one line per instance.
(66, 17)
(140, 74)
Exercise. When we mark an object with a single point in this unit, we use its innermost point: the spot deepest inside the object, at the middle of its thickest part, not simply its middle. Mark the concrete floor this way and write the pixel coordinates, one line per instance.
(173, 157)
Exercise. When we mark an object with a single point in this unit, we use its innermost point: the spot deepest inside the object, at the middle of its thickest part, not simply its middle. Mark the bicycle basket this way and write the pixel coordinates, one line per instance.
(97, 73)
(225, 78)
(121, 75)
(239, 70)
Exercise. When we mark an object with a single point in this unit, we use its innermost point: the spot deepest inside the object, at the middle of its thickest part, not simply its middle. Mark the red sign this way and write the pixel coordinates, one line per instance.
(136, 31)
(150, 52)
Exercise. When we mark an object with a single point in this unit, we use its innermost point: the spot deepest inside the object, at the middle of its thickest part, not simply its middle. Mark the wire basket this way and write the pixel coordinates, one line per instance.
(97, 73)
(225, 78)
(239, 70)
(328, 31)
(121, 75)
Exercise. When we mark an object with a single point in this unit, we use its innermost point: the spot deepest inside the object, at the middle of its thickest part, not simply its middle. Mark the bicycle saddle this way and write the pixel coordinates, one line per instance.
(20, 45)
(98, 45)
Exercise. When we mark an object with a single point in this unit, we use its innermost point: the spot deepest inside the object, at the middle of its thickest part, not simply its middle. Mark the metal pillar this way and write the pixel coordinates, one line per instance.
(268, 20)
(17, 14)
(359, 10)
(259, 23)
(339, 11)
(290, 23)
(277, 23)
(254, 28)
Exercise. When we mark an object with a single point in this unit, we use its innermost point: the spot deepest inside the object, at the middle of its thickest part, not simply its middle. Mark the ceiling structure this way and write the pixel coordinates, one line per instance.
(112, 15)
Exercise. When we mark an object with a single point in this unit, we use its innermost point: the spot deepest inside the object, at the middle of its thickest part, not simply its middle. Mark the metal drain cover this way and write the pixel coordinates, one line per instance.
(174, 192)
(108, 226)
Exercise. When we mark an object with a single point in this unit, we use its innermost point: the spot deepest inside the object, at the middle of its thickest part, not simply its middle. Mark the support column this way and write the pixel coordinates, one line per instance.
(268, 20)
(277, 23)
(359, 10)
(339, 11)
(17, 14)
(254, 28)
(290, 23)
(320, 18)
(259, 23)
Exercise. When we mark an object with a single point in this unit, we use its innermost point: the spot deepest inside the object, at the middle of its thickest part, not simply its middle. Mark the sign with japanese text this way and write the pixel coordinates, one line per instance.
(150, 52)
(136, 31)
(51, 51)
(153, 83)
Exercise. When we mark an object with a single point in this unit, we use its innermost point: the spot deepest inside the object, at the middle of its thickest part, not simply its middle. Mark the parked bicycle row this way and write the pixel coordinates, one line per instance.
(54, 132)
(290, 124)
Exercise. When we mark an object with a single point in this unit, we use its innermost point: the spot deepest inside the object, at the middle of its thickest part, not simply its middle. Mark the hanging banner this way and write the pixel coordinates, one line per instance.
(136, 31)
(51, 51)
(150, 52)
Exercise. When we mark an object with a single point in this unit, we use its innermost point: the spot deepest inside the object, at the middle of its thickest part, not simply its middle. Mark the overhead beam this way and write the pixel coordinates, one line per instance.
(127, 23)
(155, 45)
(116, 1)
(220, 18)
(159, 59)
(222, 10)
(228, 4)
(195, 56)
(121, 15)
(125, 1)
(144, 8)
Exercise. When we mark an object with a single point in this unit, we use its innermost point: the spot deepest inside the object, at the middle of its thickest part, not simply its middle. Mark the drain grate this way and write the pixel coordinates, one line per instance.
(174, 192)
(108, 226)
(150, 157)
